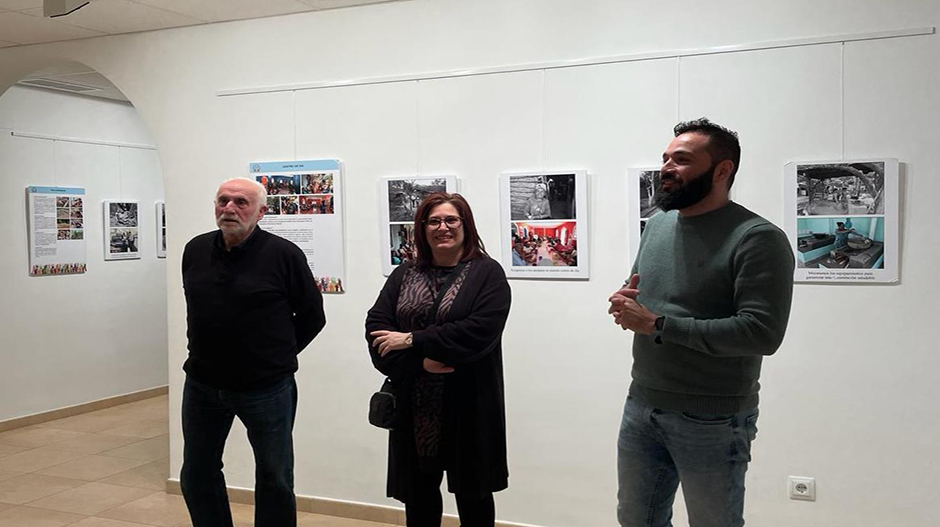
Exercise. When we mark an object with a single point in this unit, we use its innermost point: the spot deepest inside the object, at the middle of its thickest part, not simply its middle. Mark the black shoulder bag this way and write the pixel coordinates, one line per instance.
(384, 406)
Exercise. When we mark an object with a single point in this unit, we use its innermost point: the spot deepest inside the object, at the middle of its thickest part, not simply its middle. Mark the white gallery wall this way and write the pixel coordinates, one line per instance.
(77, 338)
(849, 397)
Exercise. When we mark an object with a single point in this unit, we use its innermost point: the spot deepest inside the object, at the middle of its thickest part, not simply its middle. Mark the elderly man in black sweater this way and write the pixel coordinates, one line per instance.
(252, 306)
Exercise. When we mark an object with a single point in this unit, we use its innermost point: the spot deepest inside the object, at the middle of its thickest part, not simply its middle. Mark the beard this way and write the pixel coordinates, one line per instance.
(685, 194)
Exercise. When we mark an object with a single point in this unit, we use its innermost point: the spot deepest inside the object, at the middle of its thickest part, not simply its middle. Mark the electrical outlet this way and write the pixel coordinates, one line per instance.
(802, 488)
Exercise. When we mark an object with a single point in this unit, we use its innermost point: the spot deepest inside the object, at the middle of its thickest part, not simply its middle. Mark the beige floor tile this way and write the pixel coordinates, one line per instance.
(8, 450)
(92, 468)
(146, 450)
(30, 517)
(150, 476)
(90, 499)
(104, 522)
(243, 515)
(31, 487)
(142, 429)
(159, 509)
(36, 459)
(94, 443)
(306, 519)
(34, 437)
(8, 474)
(85, 423)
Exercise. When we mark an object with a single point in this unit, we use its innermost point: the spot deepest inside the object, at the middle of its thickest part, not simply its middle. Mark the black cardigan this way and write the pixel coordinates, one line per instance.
(474, 417)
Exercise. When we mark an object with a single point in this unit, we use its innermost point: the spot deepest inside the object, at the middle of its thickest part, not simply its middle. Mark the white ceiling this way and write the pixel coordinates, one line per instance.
(21, 23)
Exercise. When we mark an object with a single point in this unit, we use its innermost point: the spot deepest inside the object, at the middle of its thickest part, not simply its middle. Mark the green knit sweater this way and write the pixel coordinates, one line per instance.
(724, 281)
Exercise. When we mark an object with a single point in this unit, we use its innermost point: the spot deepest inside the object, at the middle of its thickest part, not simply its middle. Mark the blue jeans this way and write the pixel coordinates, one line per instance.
(707, 453)
(268, 414)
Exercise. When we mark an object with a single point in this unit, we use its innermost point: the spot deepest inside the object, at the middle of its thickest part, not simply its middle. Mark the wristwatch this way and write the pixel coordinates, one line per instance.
(658, 334)
(409, 340)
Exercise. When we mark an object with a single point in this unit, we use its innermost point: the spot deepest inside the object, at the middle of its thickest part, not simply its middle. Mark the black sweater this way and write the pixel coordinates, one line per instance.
(470, 340)
(250, 310)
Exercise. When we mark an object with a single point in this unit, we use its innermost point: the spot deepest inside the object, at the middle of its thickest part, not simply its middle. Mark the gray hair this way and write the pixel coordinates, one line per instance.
(262, 192)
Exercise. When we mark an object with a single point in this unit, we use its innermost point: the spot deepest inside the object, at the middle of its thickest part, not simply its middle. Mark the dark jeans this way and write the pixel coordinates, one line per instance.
(268, 414)
(425, 508)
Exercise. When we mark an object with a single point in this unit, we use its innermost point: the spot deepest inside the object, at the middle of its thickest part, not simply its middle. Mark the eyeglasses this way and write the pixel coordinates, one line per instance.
(452, 222)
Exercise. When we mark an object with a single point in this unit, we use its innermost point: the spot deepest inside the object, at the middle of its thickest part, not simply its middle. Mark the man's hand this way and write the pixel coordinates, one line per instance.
(433, 366)
(388, 341)
(630, 314)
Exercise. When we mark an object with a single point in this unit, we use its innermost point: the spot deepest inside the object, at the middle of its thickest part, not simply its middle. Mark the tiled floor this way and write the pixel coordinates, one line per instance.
(103, 469)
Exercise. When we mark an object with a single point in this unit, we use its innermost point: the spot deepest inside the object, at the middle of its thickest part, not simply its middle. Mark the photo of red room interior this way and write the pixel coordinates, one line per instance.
(550, 244)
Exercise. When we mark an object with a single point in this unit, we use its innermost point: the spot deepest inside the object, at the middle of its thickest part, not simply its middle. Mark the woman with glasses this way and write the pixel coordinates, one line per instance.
(435, 331)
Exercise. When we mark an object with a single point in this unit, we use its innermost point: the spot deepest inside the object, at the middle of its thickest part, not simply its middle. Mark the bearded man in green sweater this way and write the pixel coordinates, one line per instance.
(709, 297)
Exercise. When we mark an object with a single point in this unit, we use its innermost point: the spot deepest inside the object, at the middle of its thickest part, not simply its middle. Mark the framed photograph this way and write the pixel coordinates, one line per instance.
(121, 230)
(304, 206)
(842, 220)
(399, 197)
(56, 220)
(161, 229)
(545, 224)
(642, 183)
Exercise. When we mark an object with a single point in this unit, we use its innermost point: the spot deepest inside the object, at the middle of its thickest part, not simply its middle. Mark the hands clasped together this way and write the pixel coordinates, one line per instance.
(628, 313)
(388, 341)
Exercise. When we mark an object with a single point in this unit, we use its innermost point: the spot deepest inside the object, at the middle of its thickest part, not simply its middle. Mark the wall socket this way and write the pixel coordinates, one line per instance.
(801, 488)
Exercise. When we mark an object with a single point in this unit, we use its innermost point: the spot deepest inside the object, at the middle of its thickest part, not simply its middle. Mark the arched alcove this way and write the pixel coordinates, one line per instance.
(74, 339)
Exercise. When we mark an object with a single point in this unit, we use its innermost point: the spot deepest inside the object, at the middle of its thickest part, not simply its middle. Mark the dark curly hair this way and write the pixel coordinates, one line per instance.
(722, 143)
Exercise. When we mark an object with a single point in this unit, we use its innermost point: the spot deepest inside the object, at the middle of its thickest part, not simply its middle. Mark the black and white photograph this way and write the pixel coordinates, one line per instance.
(404, 196)
(160, 208)
(835, 189)
(123, 241)
(274, 206)
(542, 197)
(649, 182)
(280, 185)
(402, 244)
(122, 214)
(121, 222)
(316, 184)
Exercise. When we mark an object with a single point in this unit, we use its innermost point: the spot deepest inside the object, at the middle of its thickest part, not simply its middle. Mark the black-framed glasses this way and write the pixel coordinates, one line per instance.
(452, 222)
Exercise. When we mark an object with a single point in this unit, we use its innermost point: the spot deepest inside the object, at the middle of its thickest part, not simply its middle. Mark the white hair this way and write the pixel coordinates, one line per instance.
(262, 192)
